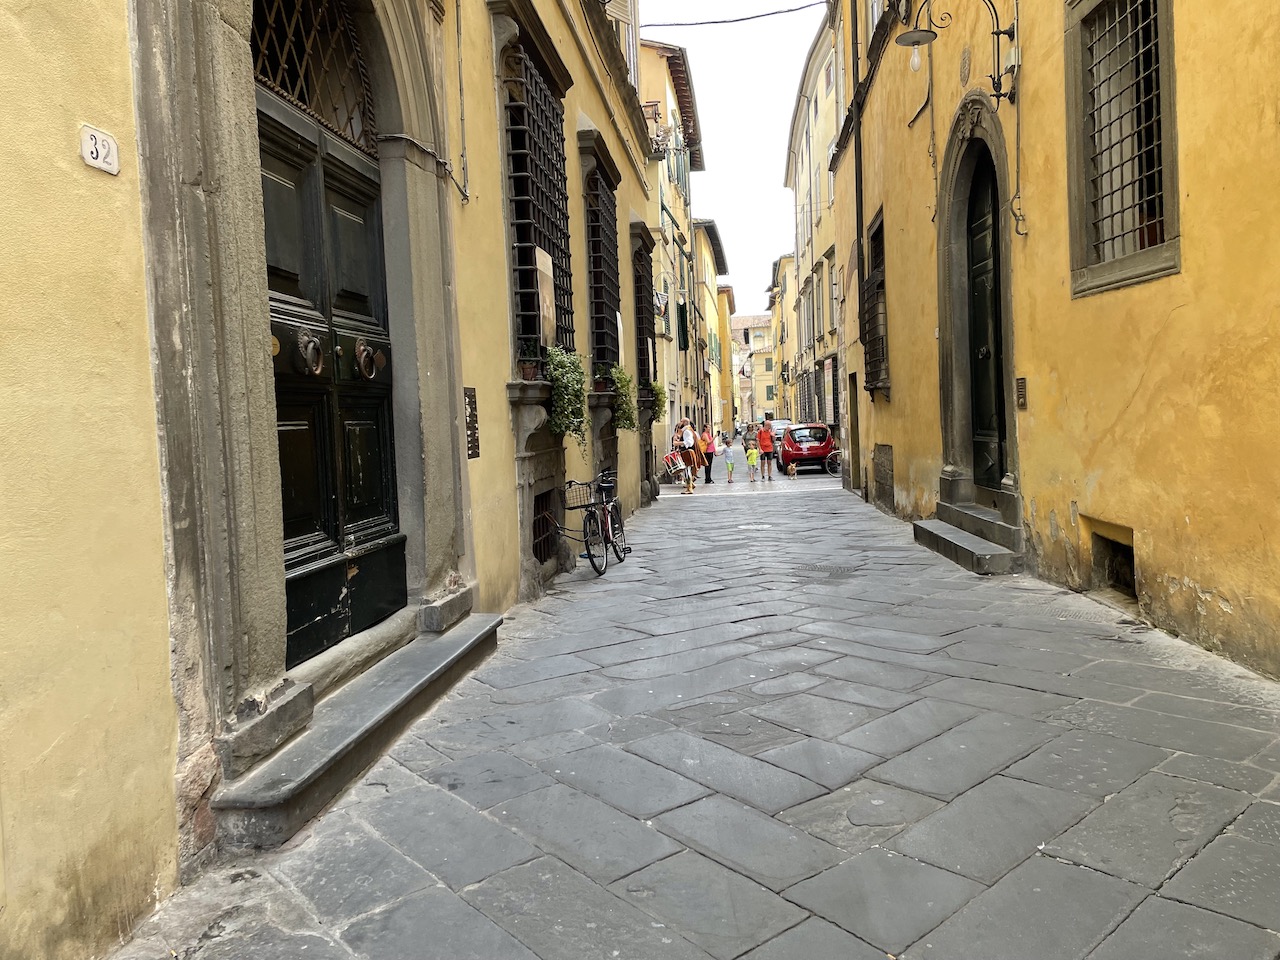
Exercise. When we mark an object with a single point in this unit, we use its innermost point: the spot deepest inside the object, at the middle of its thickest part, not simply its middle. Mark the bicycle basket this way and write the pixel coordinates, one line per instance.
(577, 496)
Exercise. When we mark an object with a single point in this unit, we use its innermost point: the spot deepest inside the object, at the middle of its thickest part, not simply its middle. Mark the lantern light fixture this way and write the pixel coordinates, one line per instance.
(925, 30)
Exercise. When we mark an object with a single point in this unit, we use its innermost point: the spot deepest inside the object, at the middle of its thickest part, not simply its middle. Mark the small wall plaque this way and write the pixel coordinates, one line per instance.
(473, 422)
(1020, 386)
(99, 149)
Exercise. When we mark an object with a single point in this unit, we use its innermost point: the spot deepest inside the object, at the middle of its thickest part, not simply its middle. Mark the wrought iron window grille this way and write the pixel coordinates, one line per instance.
(602, 266)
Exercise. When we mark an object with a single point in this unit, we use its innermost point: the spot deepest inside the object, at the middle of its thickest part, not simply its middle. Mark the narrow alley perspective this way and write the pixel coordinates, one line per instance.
(639, 480)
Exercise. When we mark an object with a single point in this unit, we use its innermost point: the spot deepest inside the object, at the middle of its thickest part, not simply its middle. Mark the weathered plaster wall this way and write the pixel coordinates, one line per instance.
(87, 719)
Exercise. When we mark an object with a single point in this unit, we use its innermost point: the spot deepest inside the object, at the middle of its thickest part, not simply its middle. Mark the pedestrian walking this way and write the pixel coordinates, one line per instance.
(753, 459)
(689, 453)
(765, 439)
(728, 461)
(708, 448)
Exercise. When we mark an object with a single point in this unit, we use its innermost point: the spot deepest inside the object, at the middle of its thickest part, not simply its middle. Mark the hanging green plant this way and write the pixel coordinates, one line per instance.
(568, 395)
(659, 396)
(624, 401)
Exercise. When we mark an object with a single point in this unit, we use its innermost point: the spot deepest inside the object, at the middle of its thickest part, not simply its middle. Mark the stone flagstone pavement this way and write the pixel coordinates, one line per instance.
(782, 731)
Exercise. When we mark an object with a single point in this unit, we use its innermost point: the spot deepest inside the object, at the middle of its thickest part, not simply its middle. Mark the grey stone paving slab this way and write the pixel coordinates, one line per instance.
(1010, 655)
(553, 745)
(985, 833)
(964, 756)
(828, 817)
(630, 783)
(753, 781)
(626, 729)
(415, 754)
(793, 658)
(888, 675)
(512, 674)
(515, 726)
(1147, 831)
(1236, 714)
(830, 764)
(433, 925)
(669, 644)
(381, 780)
(996, 696)
(488, 778)
(816, 939)
(1236, 776)
(590, 836)
(747, 841)
(864, 694)
(688, 713)
(917, 626)
(1076, 687)
(786, 685)
(1234, 876)
(815, 716)
(562, 915)
(888, 900)
(574, 685)
(742, 732)
(344, 869)
(550, 646)
(1260, 822)
(1268, 758)
(1149, 676)
(1043, 909)
(678, 662)
(908, 727)
(718, 910)
(1089, 763)
(445, 835)
(269, 943)
(1164, 930)
(1217, 740)
(881, 636)
(647, 695)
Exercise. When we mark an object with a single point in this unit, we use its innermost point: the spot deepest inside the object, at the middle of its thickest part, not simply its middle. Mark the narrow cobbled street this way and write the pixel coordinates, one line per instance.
(782, 731)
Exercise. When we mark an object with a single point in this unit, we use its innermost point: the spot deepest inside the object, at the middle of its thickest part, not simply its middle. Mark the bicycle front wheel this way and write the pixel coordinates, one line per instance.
(593, 537)
(833, 463)
(617, 535)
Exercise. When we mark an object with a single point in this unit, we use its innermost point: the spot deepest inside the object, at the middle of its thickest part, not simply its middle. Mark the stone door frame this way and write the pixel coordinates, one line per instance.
(975, 130)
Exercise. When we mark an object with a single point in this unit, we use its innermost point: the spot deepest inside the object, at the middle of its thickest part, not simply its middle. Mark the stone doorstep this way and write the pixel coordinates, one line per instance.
(970, 551)
(350, 729)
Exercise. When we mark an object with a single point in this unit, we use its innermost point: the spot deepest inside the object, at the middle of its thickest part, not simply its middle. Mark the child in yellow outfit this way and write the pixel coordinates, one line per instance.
(753, 460)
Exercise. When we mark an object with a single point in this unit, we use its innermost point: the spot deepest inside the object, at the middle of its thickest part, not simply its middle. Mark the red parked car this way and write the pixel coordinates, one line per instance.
(806, 445)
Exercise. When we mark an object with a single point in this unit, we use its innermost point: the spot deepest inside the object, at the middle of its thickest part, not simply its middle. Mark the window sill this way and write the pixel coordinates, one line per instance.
(1162, 261)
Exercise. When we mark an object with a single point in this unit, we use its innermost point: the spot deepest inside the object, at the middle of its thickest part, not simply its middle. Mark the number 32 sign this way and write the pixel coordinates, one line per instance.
(99, 149)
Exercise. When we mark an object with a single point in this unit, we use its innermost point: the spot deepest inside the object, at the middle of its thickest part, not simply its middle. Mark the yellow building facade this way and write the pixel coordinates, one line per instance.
(1059, 333)
(297, 446)
(709, 265)
(786, 356)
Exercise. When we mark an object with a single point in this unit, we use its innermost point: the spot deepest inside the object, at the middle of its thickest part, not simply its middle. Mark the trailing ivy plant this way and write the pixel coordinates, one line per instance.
(659, 396)
(568, 395)
(624, 401)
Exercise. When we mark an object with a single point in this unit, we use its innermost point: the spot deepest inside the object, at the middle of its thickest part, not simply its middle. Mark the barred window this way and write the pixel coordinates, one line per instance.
(873, 327)
(539, 203)
(1124, 195)
(602, 267)
(646, 335)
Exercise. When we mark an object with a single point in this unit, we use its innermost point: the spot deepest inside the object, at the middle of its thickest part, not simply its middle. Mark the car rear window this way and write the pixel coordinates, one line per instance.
(809, 434)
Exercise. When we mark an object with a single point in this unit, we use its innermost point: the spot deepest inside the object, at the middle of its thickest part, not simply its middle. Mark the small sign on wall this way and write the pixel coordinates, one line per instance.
(99, 149)
(473, 422)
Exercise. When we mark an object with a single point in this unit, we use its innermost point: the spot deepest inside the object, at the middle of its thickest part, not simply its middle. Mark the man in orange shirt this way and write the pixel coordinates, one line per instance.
(765, 439)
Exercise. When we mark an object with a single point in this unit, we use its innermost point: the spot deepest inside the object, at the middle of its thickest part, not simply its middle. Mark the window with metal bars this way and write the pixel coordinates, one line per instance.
(873, 327)
(546, 533)
(602, 266)
(539, 211)
(307, 51)
(1124, 218)
(646, 334)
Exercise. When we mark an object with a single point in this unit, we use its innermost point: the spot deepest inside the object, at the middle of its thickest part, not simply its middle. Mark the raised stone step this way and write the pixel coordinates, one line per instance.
(350, 729)
(984, 522)
(970, 551)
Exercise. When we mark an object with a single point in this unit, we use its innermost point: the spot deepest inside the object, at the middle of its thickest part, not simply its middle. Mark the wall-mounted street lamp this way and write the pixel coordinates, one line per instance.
(925, 31)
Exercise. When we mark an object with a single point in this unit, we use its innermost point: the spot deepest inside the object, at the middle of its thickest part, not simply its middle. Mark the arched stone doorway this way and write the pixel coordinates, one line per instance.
(975, 331)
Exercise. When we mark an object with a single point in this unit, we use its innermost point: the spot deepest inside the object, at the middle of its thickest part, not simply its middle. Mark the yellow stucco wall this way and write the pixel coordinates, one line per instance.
(87, 724)
(483, 282)
(1151, 407)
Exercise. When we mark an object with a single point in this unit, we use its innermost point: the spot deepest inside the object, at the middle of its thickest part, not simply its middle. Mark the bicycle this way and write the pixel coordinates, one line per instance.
(602, 527)
(833, 462)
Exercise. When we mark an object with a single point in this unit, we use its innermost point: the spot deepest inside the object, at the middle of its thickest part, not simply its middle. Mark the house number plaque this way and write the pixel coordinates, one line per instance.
(99, 149)
(473, 422)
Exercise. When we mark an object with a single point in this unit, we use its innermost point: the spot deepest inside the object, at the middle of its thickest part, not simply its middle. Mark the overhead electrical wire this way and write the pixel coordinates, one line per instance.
(714, 23)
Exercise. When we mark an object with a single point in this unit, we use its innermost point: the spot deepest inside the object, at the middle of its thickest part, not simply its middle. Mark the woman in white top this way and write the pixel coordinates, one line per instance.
(689, 453)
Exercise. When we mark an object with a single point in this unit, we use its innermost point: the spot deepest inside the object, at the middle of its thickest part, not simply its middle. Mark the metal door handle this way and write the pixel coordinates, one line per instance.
(365, 365)
(984, 352)
(312, 351)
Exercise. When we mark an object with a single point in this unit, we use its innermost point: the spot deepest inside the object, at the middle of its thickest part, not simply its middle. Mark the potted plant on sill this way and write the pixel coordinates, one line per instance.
(568, 395)
(603, 378)
(530, 361)
(624, 400)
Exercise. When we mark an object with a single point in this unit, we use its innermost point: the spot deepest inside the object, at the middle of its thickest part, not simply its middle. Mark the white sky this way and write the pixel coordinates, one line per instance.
(745, 77)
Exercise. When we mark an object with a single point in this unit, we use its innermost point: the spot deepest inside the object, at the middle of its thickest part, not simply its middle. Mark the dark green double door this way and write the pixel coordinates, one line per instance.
(986, 358)
(332, 358)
